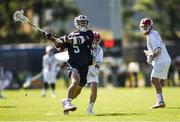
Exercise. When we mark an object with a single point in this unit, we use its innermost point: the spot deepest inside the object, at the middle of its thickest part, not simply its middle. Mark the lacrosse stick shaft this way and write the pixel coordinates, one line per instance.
(36, 76)
(37, 27)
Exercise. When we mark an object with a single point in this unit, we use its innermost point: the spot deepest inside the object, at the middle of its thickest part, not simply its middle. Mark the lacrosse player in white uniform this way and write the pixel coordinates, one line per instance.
(92, 77)
(157, 56)
(49, 64)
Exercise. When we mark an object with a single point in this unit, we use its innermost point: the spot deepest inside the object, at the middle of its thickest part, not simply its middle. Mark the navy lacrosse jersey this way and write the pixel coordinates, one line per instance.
(80, 54)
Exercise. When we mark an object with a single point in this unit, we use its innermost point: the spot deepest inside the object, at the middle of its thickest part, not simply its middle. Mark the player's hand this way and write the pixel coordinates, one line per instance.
(149, 59)
(146, 52)
(48, 35)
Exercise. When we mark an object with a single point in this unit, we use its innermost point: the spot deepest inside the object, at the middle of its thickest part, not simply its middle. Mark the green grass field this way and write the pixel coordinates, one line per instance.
(113, 104)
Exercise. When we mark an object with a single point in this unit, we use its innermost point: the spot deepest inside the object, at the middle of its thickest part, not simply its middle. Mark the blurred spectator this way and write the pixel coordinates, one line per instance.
(171, 73)
(146, 69)
(5, 79)
(133, 70)
(121, 75)
(106, 70)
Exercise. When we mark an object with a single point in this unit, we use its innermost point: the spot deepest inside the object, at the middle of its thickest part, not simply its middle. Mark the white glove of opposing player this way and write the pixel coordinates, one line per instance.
(93, 72)
(149, 59)
(149, 56)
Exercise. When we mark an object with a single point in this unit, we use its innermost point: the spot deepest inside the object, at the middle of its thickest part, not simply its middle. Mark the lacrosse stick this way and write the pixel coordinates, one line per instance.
(29, 81)
(18, 16)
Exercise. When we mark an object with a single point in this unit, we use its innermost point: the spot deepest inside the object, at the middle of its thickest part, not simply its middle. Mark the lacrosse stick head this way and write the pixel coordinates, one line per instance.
(18, 16)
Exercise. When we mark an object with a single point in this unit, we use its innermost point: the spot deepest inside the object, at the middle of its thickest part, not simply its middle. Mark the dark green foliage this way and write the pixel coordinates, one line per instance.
(10, 31)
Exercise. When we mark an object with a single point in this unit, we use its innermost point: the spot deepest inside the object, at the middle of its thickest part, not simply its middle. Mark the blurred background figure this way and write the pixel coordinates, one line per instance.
(171, 74)
(121, 74)
(49, 64)
(146, 70)
(6, 78)
(133, 70)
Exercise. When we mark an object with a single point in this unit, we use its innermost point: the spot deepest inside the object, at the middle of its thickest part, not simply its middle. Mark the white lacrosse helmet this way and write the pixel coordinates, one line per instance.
(145, 25)
(81, 22)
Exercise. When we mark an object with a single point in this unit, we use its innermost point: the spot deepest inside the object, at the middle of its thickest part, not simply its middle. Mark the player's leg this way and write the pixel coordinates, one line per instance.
(82, 82)
(75, 79)
(159, 96)
(53, 84)
(159, 72)
(93, 96)
(53, 87)
(77, 91)
(44, 89)
(45, 84)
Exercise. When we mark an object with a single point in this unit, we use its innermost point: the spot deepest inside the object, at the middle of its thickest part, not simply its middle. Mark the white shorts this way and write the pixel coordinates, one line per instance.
(49, 77)
(91, 79)
(161, 70)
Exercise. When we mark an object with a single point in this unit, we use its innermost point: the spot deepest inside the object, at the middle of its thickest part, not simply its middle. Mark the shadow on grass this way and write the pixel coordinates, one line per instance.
(118, 114)
(172, 107)
(7, 106)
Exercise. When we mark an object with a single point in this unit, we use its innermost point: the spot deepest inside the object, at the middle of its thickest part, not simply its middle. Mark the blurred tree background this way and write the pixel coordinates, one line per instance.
(58, 12)
(164, 14)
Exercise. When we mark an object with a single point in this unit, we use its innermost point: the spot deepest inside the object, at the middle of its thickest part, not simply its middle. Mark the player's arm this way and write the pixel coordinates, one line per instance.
(156, 52)
(58, 41)
(98, 60)
(156, 44)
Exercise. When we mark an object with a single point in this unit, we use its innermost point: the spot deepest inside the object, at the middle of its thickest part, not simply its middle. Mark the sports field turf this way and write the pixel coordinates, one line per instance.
(113, 104)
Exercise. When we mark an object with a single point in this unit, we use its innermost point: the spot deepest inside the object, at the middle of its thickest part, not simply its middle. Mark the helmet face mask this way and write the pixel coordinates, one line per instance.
(145, 25)
(145, 28)
(95, 44)
(81, 22)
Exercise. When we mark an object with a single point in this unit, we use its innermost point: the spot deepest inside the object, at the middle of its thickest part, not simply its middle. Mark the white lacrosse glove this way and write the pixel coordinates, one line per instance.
(148, 56)
(146, 52)
(149, 59)
(93, 72)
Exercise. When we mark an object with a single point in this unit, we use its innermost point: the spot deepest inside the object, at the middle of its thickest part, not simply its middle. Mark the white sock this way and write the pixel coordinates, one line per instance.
(160, 98)
(68, 100)
(90, 108)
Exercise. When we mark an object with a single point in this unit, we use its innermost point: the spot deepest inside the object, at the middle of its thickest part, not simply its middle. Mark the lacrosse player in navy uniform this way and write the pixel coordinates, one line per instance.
(79, 46)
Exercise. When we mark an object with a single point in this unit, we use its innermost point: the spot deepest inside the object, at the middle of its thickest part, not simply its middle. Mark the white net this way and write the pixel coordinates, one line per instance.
(18, 16)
